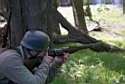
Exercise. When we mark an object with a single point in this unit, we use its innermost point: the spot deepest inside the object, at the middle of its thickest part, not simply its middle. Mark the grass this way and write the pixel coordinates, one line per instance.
(114, 14)
(89, 67)
(119, 42)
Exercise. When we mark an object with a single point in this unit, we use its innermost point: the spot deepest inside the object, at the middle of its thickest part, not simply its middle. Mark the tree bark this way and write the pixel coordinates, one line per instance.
(123, 6)
(27, 15)
(79, 17)
(54, 23)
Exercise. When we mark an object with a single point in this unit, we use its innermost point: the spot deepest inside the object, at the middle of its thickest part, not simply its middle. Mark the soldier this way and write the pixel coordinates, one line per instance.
(14, 70)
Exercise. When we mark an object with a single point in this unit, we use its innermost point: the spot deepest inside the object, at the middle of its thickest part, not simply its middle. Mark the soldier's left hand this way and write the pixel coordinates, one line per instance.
(61, 59)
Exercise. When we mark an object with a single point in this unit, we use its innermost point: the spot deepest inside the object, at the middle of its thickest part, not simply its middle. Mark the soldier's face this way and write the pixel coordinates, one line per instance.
(36, 53)
(33, 52)
(42, 54)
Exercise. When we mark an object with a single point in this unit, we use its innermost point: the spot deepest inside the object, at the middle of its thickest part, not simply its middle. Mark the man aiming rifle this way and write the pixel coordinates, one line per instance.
(14, 62)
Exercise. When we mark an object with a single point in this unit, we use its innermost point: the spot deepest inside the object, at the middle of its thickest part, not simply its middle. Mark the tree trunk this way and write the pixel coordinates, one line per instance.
(88, 12)
(28, 15)
(79, 17)
(123, 6)
(54, 23)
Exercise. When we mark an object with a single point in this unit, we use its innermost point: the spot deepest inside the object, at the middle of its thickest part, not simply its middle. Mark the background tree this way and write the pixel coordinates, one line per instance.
(79, 17)
(123, 6)
(54, 23)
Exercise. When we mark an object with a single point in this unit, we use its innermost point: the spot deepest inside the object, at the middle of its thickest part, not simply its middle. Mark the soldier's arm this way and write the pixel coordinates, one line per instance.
(18, 73)
(54, 69)
(55, 65)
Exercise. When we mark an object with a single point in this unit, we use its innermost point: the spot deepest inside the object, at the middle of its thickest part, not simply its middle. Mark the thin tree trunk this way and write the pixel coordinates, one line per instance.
(79, 17)
(54, 24)
(123, 6)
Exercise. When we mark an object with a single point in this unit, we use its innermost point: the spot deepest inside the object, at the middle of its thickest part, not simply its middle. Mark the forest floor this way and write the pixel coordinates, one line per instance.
(110, 18)
(116, 27)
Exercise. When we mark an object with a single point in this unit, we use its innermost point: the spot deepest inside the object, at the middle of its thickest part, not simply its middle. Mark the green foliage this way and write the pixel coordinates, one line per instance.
(87, 66)
(113, 14)
(116, 41)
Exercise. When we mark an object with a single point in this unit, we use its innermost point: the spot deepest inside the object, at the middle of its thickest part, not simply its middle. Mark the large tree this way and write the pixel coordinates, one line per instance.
(36, 15)
(26, 15)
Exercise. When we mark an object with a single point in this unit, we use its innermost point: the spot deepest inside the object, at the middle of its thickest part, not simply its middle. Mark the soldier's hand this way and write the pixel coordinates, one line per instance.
(49, 59)
(61, 59)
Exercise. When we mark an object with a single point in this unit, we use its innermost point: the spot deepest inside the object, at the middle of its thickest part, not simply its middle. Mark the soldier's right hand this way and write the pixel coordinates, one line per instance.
(49, 59)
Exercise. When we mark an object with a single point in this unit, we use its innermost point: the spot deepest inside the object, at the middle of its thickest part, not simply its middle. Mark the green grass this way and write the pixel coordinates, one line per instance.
(120, 32)
(110, 15)
(119, 42)
(89, 67)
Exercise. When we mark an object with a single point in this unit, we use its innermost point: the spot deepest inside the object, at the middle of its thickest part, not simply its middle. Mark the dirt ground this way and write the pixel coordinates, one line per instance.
(68, 14)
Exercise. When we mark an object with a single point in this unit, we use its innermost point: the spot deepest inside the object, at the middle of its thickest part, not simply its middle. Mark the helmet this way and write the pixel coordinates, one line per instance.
(35, 40)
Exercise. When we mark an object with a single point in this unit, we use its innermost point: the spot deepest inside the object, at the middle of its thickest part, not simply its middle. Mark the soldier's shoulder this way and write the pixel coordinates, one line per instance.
(8, 57)
(8, 54)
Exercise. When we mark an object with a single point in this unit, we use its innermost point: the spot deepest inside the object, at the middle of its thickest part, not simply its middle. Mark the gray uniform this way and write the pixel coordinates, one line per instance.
(12, 67)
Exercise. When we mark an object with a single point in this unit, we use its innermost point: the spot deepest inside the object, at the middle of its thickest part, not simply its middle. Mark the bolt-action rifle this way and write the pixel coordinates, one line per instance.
(69, 49)
(32, 63)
